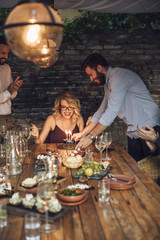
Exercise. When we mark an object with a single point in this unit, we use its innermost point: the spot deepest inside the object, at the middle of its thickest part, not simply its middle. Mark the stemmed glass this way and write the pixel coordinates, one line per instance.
(26, 135)
(3, 131)
(45, 193)
(20, 145)
(107, 139)
(99, 144)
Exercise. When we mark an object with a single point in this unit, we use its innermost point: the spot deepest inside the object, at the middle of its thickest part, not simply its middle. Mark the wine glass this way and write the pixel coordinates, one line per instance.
(51, 170)
(26, 135)
(45, 193)
(20, 145)
(99, 144)
(3, 131)
(107, 139)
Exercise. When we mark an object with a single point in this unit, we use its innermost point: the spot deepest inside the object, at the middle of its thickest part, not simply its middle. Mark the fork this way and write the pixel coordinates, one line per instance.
(111, 176)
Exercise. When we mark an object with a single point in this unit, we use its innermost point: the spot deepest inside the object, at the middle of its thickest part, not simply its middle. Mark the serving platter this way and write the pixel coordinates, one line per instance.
(21, 211)
(33, 190)
(97, 176)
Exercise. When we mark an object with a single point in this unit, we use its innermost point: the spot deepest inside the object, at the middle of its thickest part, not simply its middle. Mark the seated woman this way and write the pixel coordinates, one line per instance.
(151, 164)
(66, 117)
(151, 137)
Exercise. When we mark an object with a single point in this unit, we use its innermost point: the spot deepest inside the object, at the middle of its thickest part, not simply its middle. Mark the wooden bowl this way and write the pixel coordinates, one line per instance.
(67, 198)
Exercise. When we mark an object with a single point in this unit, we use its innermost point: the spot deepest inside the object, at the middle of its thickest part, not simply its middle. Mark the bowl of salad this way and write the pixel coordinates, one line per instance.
(71, 195)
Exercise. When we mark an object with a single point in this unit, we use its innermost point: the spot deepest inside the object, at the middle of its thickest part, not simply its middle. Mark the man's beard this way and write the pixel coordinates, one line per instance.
(101, 77)
(2, 63)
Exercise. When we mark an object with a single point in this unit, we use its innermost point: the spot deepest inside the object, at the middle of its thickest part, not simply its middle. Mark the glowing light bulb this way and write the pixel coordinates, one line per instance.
(32, 35)
(44, 50)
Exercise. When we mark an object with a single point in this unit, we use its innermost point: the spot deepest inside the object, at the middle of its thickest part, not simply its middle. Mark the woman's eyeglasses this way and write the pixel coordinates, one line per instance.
(67, 108)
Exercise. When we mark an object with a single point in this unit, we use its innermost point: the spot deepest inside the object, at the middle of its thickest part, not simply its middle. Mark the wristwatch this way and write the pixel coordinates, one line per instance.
(91, 137)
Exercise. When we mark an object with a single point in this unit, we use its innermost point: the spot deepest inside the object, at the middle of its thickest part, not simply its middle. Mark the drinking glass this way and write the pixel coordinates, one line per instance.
(32, 226)
(103, 192)
(2, 153)
(45, 192)
(89, 157)
(3, 213)
(99, 144)
(26, 135)
(107, 139)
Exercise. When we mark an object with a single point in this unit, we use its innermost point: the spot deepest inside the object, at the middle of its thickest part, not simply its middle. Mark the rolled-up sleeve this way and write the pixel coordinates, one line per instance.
(4, 96)
(97, 115)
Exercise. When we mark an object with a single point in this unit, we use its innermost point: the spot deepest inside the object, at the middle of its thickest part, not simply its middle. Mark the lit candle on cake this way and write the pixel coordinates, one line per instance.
(70, 135)
(66, 132)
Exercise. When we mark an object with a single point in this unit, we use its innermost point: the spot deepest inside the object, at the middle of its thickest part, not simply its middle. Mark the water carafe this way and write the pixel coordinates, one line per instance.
(13, 161)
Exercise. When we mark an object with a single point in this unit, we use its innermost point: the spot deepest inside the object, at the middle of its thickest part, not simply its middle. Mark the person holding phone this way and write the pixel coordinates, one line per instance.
(8, 87)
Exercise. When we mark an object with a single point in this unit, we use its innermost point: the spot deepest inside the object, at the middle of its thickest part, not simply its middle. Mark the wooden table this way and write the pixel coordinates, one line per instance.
(131, 214)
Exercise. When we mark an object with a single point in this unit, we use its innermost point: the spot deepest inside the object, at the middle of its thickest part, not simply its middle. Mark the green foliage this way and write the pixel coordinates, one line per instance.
(90, 23)
(3, 14)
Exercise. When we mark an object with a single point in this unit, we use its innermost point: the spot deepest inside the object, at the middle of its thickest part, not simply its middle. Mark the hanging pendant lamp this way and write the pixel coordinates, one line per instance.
(34, 31)
(50, 56)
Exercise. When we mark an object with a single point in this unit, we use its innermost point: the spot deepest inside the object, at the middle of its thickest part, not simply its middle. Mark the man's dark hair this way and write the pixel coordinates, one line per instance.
(3, 40)
(93, 60)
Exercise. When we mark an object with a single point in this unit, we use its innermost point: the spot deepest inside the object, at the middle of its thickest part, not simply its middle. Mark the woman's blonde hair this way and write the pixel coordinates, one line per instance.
(72, 101)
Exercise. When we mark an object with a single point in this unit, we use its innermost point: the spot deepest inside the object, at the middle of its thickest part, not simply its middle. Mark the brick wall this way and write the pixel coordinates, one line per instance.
(138, 51)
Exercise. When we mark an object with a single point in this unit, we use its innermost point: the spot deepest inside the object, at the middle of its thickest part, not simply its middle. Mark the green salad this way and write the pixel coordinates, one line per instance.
(71, 192)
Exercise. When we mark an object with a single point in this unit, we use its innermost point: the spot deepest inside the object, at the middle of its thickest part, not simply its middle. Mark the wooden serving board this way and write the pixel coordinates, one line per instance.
(21, 211)
(33, 190)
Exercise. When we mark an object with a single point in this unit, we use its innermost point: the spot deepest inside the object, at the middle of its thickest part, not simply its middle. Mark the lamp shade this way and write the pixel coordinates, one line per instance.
(29, 27)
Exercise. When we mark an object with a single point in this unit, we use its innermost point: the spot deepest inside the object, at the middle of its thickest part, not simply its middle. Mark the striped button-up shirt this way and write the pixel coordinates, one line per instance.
(127, 97)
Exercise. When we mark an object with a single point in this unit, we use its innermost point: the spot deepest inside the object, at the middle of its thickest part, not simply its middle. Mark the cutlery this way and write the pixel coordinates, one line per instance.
(111, 176)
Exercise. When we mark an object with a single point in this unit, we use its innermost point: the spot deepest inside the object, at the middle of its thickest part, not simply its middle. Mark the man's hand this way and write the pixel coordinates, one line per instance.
(77, 136)
(14, 86)
(84, 142)
(88, 120)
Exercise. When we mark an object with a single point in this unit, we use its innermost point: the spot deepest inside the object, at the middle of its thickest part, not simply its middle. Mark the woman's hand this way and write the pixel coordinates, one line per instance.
(147, 134)
(151, 146)
(35, 131)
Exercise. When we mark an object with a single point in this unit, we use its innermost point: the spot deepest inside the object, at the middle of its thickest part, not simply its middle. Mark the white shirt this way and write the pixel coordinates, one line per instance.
(127, 97)
(5, 96)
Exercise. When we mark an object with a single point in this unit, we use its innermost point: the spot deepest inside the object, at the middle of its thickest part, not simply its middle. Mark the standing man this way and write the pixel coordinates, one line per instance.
(8, 88)
(125, 96)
